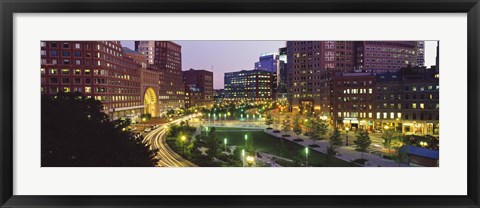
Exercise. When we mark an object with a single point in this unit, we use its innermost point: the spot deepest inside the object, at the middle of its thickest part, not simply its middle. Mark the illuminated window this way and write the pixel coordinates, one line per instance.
(399, 115)
(78, 72)
(422, 106)
(88, 89)
(42, 71)
(414, 105)
(65, 71)
(87, 71)
(53, 71)
(66, 89)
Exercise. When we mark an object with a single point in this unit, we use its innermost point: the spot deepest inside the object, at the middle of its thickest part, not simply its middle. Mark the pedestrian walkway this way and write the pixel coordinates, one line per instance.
(345, 153)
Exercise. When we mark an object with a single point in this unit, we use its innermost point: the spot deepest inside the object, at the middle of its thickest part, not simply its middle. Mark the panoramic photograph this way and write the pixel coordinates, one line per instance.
(239, 103)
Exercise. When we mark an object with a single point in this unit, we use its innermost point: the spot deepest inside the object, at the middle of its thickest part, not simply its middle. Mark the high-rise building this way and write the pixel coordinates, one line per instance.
(198, 88)
(420, 53)
(147, 48)
(282, 73)
(308, 85)
(268, 62)
(166, 58)
(98, 69)
(306, 61)
(248, 85)
(383, 56)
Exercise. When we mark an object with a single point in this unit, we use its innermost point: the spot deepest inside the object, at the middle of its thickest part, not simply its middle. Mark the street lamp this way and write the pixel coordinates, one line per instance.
(245, 140)
(346, 129)
(243, 157)
(225, 142)
(183, 138)
(306, 155)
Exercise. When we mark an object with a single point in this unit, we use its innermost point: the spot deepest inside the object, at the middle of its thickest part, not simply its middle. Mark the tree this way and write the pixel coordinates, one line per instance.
(212, 143)
(397, 143)
(363, 141)
(296, 125)
(334, 139)
(388, 136)
(318, 129)
(269, 120)
(286, 124)
(334, 142)
(76, 133)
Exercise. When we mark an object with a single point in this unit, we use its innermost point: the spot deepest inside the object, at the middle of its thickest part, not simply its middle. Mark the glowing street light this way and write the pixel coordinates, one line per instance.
(225, 142)
(346, 129)
(246, 140)
(306, 155)
(243, 157)
(183, 138)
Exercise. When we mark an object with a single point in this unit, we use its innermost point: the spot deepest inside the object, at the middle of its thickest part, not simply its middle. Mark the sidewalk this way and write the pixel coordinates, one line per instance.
(347, 153)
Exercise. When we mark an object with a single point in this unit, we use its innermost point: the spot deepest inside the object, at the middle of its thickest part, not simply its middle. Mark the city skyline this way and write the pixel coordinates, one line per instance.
(235, 55)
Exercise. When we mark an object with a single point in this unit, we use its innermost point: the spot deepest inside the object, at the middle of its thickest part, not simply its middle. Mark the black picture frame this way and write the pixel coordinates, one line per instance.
(10, 7)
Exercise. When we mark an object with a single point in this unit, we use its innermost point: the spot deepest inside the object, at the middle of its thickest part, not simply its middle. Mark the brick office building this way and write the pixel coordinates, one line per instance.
(198, 88)
(97, 69)
(306, 61)
(354, 100)
(383, 56)
(166, 58)
(408, 100)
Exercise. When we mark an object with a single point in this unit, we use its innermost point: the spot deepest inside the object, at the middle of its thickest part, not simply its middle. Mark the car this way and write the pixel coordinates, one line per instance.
(147, 130)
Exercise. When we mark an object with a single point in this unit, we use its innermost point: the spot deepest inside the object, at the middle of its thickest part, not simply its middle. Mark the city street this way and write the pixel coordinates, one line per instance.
(157, 140)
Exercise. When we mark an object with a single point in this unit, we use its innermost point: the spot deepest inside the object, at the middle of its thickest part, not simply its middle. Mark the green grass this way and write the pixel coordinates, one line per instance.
(264, 142)
(234, 129)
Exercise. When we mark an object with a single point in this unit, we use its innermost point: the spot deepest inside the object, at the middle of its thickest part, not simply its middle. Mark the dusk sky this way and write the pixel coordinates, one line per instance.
(228, 56)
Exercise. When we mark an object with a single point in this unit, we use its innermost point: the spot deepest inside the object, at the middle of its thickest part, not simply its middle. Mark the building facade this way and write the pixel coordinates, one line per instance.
(408, 100)
(306, 61)
(354, 100)
(198, 88)
(383, 56)
(420, 53)
(248, 85)
(166, 58)
(98, 69)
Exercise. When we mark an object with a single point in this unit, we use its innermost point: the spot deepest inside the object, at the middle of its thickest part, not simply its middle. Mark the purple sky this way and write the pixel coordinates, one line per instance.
(227, 56)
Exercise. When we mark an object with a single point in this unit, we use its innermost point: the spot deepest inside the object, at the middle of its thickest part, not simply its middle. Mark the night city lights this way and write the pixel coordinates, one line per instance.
(278, 104)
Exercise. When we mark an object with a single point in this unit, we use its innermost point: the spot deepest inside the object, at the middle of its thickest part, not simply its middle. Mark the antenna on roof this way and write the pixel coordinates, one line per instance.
(211, 68)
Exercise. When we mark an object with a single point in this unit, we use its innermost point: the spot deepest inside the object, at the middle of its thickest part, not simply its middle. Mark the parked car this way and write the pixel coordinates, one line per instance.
(147, 130)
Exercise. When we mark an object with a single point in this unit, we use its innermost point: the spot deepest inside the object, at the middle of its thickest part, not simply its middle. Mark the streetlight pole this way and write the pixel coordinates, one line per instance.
(306, 155)
(183, 144)
(243, 157)
(346, 129)
(245, 140)
(225, 142)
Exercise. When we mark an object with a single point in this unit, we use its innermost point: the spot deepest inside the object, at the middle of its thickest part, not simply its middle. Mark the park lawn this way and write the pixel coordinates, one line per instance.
(264, 142)
(234, 129)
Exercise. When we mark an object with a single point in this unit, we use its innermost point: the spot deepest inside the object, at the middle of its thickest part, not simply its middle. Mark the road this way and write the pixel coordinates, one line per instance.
(157, 140)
